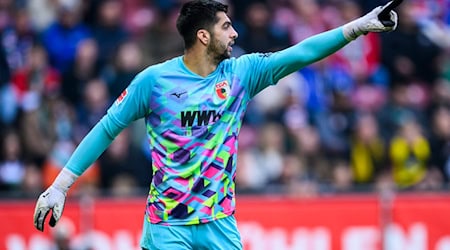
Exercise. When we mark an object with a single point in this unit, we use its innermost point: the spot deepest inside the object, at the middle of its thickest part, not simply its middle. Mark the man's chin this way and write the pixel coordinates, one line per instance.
(224, 56)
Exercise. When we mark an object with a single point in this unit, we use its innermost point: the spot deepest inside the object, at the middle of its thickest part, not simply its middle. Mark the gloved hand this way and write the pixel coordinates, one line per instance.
(369, 23)
(51, 199)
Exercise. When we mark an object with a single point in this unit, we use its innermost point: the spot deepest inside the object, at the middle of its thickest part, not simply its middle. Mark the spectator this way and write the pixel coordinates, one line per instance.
(84, 68)
(308, 147)
(42, 13)
(96, 100)
(124, 67)
(162, 31)
(440, 141)
(367, 151)
(342, 177)
(307, 21)
(409, 152)
(108, 30)
(36, 75)
(12, 166)
(63, 36)
(259, 34)
(8, 103)
(5, 73)
(397, 109)
(262, 166)
(122, 164)
(36, 86)
(407, 53)
(17, 39)
(32, 182)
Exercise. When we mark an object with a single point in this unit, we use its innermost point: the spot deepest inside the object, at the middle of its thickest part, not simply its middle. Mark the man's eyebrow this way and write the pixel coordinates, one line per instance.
(227, 23)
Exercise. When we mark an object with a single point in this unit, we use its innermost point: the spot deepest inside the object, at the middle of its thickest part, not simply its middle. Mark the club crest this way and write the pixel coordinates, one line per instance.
(223, 90)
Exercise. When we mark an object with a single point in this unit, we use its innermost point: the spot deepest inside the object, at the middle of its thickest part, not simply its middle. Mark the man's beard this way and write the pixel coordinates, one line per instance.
(218, 51)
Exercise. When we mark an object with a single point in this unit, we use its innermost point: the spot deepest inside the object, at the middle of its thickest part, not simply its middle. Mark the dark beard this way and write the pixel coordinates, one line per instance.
(218, 52)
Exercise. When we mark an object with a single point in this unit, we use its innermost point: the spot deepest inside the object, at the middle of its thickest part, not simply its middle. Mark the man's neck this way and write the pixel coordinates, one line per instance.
(199, 62)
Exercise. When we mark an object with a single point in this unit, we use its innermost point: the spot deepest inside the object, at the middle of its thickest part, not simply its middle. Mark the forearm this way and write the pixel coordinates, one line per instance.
(324, 44)
(308, 51)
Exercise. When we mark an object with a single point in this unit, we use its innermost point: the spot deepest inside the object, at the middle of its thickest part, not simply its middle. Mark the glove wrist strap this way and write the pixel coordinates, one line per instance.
(352, 30)
(64, 180)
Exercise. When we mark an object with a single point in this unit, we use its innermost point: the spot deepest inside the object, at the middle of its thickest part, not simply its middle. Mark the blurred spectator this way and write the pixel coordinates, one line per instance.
(17, 39)
(42, 13)
(108, 30)
(84, 68)
(409, 152)
(398, 109)
(303, 18)
(96, 100)
(263, 165)
(440, 141)
(123, 68)
(8, 104)
(315, 164)
(12, 166)
(36, 75)
(32, 184)
(259, 34)
(162, 31)
(6, 13)
(281, 103)
(367, 151)
(36, 86)
(5, 73)
(62, 37)
(342, 180)
(408, 54)
(124, 169)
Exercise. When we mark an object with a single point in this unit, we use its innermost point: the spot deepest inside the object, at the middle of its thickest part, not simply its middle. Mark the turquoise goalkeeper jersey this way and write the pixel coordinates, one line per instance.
(193, 123)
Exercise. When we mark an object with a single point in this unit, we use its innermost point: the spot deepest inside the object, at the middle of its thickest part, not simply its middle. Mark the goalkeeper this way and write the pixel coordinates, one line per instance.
(193, 107)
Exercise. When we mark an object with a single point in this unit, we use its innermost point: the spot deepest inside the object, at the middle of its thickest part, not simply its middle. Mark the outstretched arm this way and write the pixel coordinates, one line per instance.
(324, 44)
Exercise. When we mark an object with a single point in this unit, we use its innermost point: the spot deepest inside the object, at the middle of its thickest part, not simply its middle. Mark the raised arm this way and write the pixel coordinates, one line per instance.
(324, 44)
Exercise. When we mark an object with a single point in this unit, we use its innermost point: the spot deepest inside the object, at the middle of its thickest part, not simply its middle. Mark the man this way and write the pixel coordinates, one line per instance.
(193, 107)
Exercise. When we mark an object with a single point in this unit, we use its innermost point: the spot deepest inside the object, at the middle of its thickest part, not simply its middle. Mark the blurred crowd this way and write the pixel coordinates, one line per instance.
(374, 116)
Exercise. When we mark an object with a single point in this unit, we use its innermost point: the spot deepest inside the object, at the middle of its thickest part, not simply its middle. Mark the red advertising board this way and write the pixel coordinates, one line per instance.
(409, 222)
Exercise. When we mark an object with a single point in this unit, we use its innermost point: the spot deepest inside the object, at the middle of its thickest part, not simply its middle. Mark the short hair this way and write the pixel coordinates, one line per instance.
(196, 15)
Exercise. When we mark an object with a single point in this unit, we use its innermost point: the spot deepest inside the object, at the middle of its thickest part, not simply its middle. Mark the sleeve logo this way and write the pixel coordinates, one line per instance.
(222, 90)
(121, 97)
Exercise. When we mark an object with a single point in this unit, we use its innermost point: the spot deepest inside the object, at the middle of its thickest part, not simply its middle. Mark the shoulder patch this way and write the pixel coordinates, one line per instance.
(121, 97)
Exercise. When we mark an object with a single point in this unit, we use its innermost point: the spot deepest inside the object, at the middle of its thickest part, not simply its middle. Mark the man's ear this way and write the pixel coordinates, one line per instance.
(203, 36)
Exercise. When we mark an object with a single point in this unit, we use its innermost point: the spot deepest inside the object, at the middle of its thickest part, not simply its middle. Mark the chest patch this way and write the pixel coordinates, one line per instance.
(222, 89)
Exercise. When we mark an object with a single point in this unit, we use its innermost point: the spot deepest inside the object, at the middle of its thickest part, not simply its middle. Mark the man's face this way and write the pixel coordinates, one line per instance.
(222, 38)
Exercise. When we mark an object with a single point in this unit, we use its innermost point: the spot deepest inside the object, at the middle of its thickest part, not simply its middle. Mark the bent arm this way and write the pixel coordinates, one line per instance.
(307, 52)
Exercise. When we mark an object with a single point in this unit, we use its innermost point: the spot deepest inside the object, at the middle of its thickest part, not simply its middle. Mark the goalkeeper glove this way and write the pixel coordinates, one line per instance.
(53, 199)
(369, 23)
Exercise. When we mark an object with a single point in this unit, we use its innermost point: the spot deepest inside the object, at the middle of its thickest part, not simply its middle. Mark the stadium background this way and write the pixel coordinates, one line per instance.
(352, 152)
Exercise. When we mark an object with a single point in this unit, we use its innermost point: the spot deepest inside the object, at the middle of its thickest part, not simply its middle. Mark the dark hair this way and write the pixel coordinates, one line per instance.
(196, 15)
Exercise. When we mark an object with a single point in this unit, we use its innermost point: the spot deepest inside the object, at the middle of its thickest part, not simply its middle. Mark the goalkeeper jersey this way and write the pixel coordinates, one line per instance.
(192, 124)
